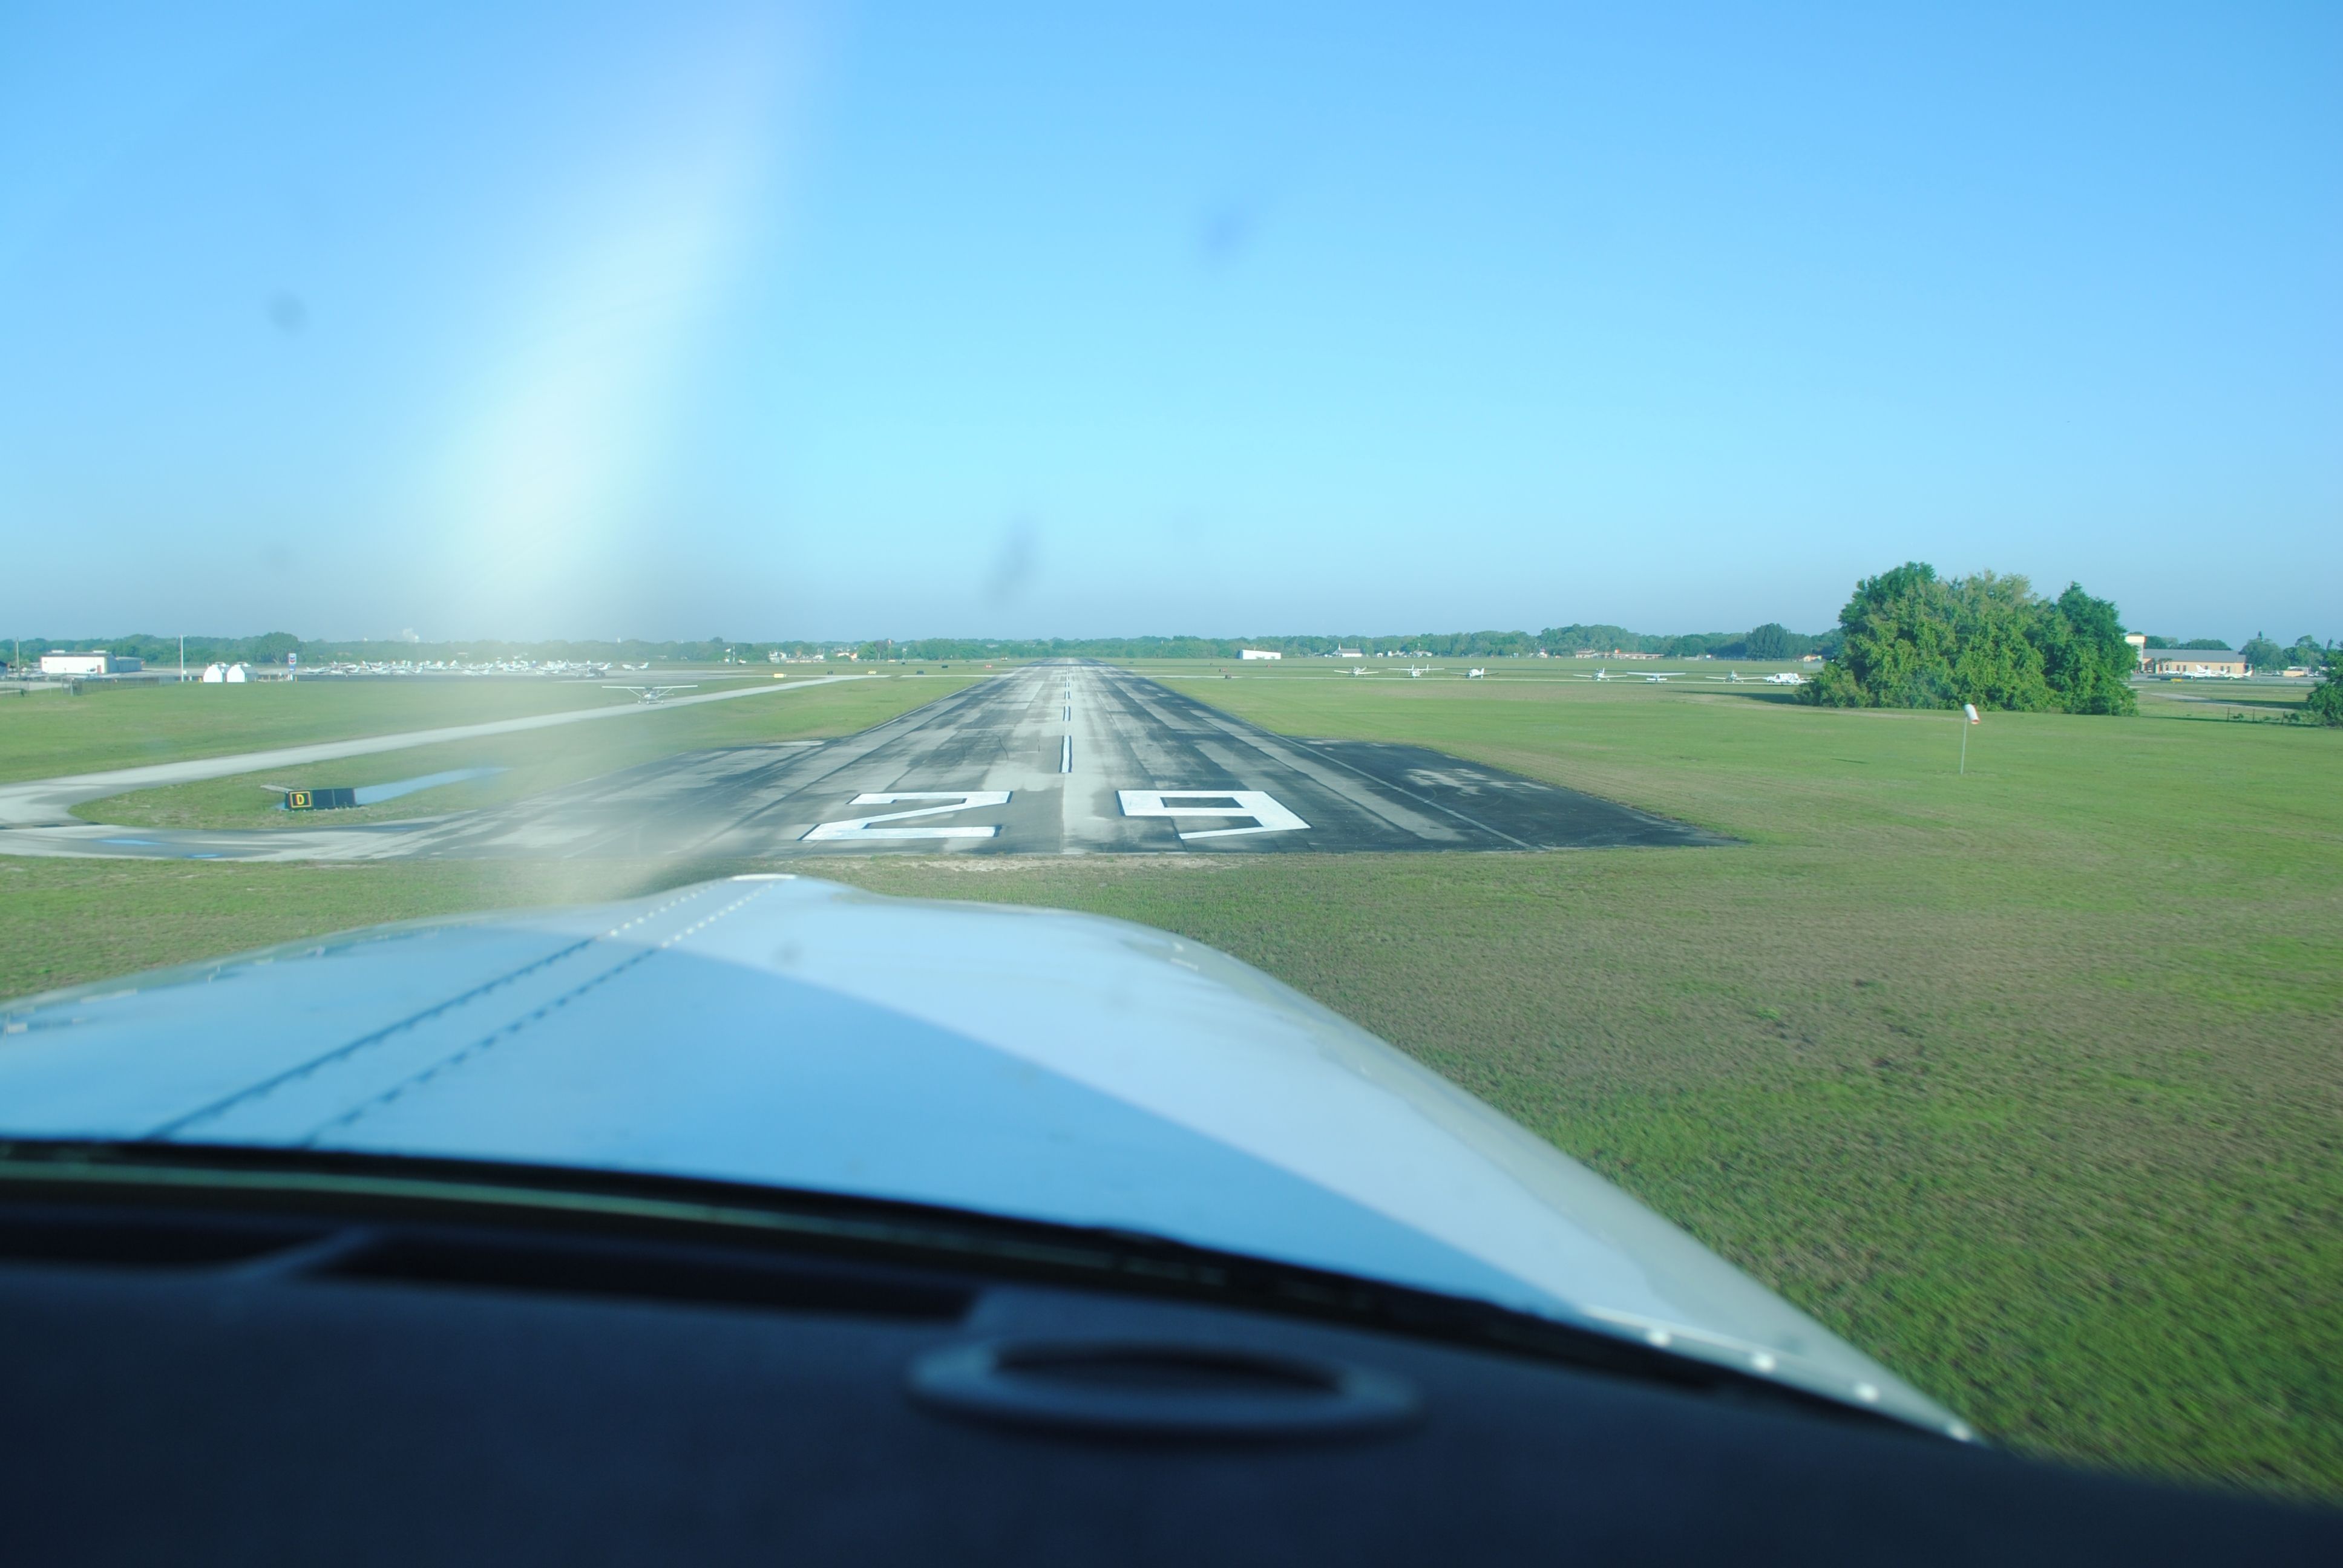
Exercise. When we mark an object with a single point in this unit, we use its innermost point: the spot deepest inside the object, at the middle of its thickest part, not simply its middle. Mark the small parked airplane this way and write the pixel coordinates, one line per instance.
(652, 693)
(1786, 678)
(1475, 674)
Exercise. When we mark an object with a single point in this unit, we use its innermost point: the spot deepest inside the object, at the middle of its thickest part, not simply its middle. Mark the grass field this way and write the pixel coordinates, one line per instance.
(535, 760)
(2029, 1082)
(48, 733)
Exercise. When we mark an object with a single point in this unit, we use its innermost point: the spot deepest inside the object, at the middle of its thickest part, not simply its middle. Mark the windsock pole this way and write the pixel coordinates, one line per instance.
(1968, 716)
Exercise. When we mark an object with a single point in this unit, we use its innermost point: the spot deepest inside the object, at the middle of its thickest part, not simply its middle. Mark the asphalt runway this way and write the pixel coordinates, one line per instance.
(1047, 760)
(1051, 760)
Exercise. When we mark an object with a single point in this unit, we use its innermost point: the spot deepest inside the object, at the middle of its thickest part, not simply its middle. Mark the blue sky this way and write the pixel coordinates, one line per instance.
(705, 319)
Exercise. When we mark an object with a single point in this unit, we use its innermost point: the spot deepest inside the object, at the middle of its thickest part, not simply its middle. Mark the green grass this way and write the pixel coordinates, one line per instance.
(50, 733)
(536, 760)
(2028, 1082)
(2222, 700)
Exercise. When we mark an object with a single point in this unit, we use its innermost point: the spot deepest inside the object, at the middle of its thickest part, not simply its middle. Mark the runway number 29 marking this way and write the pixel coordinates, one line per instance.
(1268, 815)
(867, 827)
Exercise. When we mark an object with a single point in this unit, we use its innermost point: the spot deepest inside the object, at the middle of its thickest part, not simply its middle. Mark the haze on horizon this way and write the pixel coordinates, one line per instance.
(597, 320)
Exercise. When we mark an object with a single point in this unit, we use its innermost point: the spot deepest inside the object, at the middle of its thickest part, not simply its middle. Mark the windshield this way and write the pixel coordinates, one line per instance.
(1691, 656)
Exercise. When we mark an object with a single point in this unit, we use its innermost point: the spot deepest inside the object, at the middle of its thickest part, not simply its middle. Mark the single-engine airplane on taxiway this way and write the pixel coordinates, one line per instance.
(653, 693)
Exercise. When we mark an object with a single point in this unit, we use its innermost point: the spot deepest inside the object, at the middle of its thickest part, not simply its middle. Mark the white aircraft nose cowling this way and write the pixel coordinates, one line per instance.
(788, 1031)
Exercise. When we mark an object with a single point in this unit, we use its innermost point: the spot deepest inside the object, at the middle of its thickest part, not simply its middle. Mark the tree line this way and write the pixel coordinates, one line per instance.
(1907, 638)
(2262, 655)
(2268, 658)
(270, 648)
(1770, 641)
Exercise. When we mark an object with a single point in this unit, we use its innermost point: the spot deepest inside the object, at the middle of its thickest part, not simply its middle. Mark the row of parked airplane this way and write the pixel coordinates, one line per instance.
(1662, 676)
(1654, 678)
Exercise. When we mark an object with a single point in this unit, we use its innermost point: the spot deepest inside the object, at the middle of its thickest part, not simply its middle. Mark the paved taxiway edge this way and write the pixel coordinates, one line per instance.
(32, 804)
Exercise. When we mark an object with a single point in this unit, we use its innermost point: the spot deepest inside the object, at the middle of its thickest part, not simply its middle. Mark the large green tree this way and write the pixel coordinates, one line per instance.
(2085, 658)
(2325, 703)
(1898, 643)
(1997, 662)
(2263, 654)
(1910, 639)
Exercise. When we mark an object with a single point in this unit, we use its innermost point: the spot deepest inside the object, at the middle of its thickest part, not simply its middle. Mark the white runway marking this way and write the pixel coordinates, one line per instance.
(1066, 756)
(1268, 815)
(862, 828)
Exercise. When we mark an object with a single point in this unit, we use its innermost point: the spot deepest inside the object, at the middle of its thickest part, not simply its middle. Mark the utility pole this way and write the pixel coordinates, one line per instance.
(183, 659)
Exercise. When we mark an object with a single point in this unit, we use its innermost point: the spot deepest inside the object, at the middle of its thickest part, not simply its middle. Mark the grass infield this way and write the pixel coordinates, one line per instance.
(533, 761)
(2028, 1082)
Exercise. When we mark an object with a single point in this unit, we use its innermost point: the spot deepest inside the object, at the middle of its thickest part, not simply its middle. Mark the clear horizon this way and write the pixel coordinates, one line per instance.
(1044, 322)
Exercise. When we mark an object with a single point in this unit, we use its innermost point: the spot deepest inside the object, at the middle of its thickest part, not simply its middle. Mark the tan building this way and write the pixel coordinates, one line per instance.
(2196, 661)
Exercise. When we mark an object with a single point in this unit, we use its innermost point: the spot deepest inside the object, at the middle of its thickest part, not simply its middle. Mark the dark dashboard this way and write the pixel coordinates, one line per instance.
(246, 1362)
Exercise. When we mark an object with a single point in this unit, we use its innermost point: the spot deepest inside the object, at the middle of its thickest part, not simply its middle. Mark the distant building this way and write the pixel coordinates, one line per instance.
(1258, 653)
(2196, 661)
(96, 663)
(232, 674)
(2138, 641)
(1348, 653)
